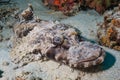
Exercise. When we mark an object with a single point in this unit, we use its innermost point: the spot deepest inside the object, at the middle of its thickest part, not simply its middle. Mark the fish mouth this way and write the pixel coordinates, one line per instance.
(90, 62)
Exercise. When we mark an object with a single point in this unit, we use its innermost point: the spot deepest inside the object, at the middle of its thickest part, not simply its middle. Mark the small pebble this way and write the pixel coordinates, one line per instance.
(7, 39)
(5, 63)
(1, 38)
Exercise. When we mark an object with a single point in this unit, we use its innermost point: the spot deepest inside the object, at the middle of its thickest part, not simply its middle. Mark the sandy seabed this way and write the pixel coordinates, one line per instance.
(85, 21)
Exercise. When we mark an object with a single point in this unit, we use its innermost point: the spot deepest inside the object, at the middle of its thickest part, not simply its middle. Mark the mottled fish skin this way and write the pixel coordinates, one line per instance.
(85, 55)
(59, 42)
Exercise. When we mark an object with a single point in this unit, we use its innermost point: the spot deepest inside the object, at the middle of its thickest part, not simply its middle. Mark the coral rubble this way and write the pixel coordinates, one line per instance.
(60, 42)
(4, 13)
(8, 15)
(109, 31)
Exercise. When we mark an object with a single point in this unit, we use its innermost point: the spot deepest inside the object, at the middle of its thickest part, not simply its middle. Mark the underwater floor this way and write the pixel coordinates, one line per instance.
(85, 21)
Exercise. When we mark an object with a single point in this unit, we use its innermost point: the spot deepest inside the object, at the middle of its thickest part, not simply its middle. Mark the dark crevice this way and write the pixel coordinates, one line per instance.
(1, 72)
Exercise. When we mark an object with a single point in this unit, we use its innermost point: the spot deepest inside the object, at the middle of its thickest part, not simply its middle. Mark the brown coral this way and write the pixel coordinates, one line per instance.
(69, 7)
(109, 32)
